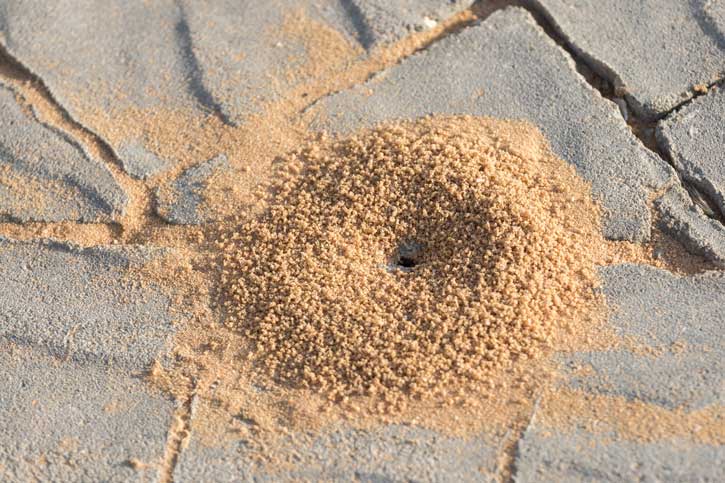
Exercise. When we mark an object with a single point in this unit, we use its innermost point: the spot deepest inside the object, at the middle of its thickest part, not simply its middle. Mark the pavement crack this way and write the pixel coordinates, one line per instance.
(609, 87)
(178, 436)
(45, 107)
(509, 448)
(195, 78)
(363, 32)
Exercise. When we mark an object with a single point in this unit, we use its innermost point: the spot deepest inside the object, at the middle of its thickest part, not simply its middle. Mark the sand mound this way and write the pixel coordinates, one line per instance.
(412, 256)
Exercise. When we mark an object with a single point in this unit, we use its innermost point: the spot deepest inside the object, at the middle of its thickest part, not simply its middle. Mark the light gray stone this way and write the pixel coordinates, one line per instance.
(380, 22)
(106, 58)
(243, 53)
(390, 453)
(62, 421)
(581, 456)
(692, 379)
(680, 319)
(226, 57)
(83, 304)
(694, 139)
(182, 200)
(507, 67)
(661, 309)
(688, 222)
(140, 162)
(654, 51)
(46, 176)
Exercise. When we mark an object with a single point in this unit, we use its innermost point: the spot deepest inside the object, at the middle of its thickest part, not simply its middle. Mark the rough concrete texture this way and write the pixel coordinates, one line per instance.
(677, 323)
(82, 304)
(378, 22)
(115, 57)
(46, 176)
(391, 453)
(581, 456)
(138, 161)
(182, 200)
(687, 221)
(654, 51)
(60, 421)
(694, 139)
(226, 57)
(244, 52)
(533, 79)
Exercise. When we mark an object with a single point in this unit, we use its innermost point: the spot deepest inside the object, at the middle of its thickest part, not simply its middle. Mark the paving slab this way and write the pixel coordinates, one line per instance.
(101, 58)
(694, 140)
(247, 53)
(379, 22)
(110, 60)
(582, 456)
(61, 421)
(676, 326)
(83, 304)
(46, 176)
(182, 201)
(507, 67)
(390, 453)
(690, 224)
(656, 52)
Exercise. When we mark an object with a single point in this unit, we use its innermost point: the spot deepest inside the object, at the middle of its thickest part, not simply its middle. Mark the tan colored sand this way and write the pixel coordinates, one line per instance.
(211, 364)
(507, 236)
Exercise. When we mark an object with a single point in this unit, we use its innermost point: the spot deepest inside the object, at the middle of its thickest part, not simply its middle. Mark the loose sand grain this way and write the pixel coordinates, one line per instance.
(412, 257)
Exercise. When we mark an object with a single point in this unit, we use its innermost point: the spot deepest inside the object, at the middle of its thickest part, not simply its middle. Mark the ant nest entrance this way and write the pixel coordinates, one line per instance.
(495, 242)
(407, 256)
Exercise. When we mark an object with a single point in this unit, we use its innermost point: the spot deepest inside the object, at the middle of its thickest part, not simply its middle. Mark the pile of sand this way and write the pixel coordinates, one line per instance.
(412, 256)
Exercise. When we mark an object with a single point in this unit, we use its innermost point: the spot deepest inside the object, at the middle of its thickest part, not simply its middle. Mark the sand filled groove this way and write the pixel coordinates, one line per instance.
(412, 257)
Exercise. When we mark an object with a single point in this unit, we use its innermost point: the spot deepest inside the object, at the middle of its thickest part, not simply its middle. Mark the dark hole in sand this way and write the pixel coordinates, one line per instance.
(408, 255)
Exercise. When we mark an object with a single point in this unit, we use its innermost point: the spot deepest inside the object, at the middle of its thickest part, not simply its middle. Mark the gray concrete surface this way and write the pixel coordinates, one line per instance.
(653, 51)
(242, 53)
(225, 57)
(79, 328)
(693, 138)
(46, 176)
(391, 453)
(63, 421)
(687, 222)
(82, 304)
(533, 79)
(676, 326)
(585, 457)
(182, 202)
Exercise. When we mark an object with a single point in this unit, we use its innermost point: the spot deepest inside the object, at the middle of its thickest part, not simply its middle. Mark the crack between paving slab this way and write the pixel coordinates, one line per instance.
(509, 449)
(643, 129)
(363, 32)
(178, 436)
(384, 57)
(34, 94)
(195, 84)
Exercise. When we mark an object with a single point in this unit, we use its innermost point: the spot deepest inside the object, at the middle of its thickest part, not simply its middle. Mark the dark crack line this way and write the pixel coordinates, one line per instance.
(643, 128)
(16, 70)
(363, 32)
(196, 86)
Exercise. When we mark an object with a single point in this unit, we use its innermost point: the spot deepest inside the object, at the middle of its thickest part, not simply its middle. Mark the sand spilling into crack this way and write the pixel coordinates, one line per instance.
(411, 257)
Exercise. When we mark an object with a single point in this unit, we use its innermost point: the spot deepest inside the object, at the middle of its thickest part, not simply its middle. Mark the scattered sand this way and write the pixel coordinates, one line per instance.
(503, 275)
(407, 258)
